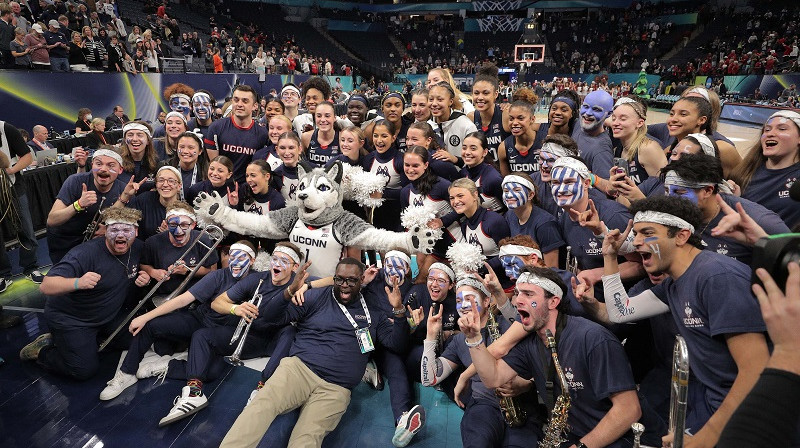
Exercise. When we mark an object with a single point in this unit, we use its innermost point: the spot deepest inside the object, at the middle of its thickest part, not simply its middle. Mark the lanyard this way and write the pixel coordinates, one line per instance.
(349, 317)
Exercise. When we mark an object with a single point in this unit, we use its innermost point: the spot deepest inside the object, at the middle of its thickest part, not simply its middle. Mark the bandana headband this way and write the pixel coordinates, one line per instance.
(180, 95)
(572, 163)
(121, 221)
(400, 255)
(109, 153)
(544, 283)
(290, 89)
(519, 180)
(788, 114)
(564, 99)
(514, 249)
(137, 126)
(705, 144)
(469, 281)
(444, 268)
(673, 178)
(243, 248)
(662, 218)
(287, 251)
(555, 149)
(180, 212)
(201, 94)
(175, 114)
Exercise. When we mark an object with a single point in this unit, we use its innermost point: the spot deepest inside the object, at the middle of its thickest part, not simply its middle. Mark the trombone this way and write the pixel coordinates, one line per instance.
(215, 234)
(679, 391)
(235, 358)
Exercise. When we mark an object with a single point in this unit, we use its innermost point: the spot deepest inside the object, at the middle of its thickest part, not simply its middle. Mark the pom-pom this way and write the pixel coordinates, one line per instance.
(420, 216)
(357, 185)
(262, 263)
(465, 258)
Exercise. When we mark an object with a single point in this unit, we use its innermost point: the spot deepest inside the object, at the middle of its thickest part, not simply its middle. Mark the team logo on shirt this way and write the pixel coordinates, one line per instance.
(722, 249)
(570, 375)
(292, 191)
(455, 140)
(255, 208)
(788, 185)
(593, 249)
(688, 320)
(473, 239)
(419, 201)
(360, 317)
(192, 261)
(133, 273)
(383, 170)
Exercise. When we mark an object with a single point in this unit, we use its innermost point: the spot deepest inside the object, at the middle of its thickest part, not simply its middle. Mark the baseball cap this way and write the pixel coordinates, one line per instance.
(36, 27)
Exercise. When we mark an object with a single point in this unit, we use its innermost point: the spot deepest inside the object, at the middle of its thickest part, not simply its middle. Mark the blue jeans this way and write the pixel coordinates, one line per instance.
(27, 241)
(59, 64)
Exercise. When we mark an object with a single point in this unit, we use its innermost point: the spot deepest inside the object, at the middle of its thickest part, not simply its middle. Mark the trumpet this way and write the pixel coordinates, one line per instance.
(571, 263)
(92, 227)
(215, 234)
(242, 329)
(679, 391)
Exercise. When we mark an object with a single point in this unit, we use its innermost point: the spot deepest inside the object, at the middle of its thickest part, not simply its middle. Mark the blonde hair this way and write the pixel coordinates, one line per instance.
(95, 122)
(459, 95)
(465, 183)
(124, 214)
(283, 118)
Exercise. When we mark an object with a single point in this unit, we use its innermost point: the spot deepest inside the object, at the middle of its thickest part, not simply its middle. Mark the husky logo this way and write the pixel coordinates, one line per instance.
(571, 383)
(722, 249)
(419, 201)
(473, 239)
(688, 310)
(382, 170)
(133, 273)
(292, 191)
(785, 193)
(192, 262)
(689, 321)
(593, 249)
(455, 140)
(255, 208)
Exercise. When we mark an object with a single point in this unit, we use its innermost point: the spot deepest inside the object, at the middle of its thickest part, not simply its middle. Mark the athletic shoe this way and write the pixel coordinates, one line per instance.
(184, 406)
(31, 351)
(153, 368)
(36, 277)
(120, 382)
(4, 284)
(410, 423)
(372, 377)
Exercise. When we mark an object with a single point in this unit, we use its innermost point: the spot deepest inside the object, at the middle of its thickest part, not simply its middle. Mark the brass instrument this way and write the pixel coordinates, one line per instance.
(241, 336)
(556, 427)
(638, 430)
(215, 234)
(679, 391)
(571, 263)
(514, 415)
(92, 227)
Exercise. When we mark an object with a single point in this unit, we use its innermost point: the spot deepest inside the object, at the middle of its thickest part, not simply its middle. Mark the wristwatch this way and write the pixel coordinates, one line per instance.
(580, 445)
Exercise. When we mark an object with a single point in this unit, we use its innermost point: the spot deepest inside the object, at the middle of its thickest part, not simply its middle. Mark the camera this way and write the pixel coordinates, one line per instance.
(774, 253)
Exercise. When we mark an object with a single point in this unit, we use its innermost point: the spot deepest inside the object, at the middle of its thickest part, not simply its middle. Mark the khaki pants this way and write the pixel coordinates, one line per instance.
(291, 386)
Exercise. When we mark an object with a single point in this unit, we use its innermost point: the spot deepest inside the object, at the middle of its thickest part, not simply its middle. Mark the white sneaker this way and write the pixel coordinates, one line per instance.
(410, 423)
(184, 406)
(372, 377)
(153, 368)
(252, 395)
(120, 382)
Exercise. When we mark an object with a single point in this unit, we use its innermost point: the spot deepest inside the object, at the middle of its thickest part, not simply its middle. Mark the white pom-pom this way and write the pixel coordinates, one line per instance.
(357, 185)
(465, 257)
(262, 263)
(420, 216)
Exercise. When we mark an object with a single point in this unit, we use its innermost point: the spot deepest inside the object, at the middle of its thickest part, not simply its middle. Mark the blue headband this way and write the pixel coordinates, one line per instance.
(395, 94)
(566, 100)
(358, 98)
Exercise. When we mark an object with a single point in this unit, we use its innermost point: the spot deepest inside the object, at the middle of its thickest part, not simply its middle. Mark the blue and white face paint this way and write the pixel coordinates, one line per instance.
(683, 192)
(201, 106)
(595, 109)
(180, 103)
(515, 194)
(179, 227)
(512, 264)
(238, 262)
(395, 267)
(567, 186)
(463, 304)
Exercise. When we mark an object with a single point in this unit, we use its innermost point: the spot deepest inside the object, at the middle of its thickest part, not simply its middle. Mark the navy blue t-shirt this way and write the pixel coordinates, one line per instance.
(593, 362)
(376, 295)
(422, 299)
(541, 226)
(326, 340)
(711, 299)
(237, 143)
(595, 150)
(208, 288)
(63, 237)
(545, 195)
(97, 306)
(770, 188)
(271, 297)
(585, 247)
(160, 253)
(490, 185)
(153, 213)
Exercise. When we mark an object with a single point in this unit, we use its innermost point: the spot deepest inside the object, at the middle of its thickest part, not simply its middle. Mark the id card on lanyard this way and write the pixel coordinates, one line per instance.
(362, 334)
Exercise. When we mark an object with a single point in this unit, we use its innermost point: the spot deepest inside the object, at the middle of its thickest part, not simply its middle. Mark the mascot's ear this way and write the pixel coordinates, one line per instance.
(301, 171)
(335, 172)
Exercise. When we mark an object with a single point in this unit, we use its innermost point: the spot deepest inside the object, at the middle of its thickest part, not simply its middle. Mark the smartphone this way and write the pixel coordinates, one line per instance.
(435, 308)
(621, 164)
(412, 300)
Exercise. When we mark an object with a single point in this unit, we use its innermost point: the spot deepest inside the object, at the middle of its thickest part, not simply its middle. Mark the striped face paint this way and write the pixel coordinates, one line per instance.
(546, 161)
(463, 304)
(567, 186)
(512, 265)
(395, 267)
(515, 194)
(238, 262)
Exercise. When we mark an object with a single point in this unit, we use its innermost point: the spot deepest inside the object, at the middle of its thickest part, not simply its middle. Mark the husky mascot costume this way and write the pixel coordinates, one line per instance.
(316, 223)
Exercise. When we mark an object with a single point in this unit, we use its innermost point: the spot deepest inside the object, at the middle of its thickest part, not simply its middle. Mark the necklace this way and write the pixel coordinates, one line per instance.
(126, 263)
(710, 220)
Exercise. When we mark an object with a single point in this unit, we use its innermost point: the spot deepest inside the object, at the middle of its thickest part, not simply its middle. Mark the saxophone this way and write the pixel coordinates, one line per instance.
(556, 427)
(514, 415)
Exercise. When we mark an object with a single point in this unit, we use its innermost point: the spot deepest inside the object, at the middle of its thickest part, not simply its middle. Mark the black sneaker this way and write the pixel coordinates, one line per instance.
(4, 284)
(36, 277)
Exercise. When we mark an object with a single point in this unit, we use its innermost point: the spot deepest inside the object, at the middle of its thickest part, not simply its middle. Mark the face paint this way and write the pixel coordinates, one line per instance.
(201, 105)
(238, 262)
(127, 231)
(180, 105)
(279, 262)
(515, 194)
(683, 192)
(462, 302)
(395, 267)
(595, 109)
(654, 247)
(546, 161)
(178, 226)
(512, 264)
(569, 188)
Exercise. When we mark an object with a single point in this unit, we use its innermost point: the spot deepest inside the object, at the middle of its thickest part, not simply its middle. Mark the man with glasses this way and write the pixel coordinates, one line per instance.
(162, 252)
(86, 295)
(336, 331)
(80, 198)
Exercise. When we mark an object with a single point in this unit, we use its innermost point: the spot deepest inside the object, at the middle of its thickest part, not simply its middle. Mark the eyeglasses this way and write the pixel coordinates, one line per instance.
(170, 182)
(290, 95)
(183, 225)
(440, 282)
(350, 281)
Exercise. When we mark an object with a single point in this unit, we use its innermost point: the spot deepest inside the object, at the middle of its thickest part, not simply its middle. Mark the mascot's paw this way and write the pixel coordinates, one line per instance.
(423, 239)
(209, 207)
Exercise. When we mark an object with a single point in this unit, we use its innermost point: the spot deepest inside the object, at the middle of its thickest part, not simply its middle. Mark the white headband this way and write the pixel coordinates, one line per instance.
(180, 212)
(201, 94)
(555, 149)
(673, 178)
(624, 100)
(243, 248)
(788, 114)
(180, 95)
(400, 255)
(700, 91)
(477, 284)
(174, 171)
(290, 89)
(519, 180)
(136, 126)
(544, 283)
(663, 219)
(514, 249)
(288, 251)
(572, 163)
(121, 221)
(705, 144)
(175, 114)
(108, 153)
(444, 268)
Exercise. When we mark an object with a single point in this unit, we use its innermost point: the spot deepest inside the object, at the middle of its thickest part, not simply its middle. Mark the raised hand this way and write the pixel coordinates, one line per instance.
(583, 291)
(394, 294)
(470, 323)
(300, 278)
(737, 224)
(614, 239)
(416, 315)
(491, 282)
(142, 279)
(80, 156)
(233, 196)
(434, 324)
(589, 219)
(88, 198)
(88, 280)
